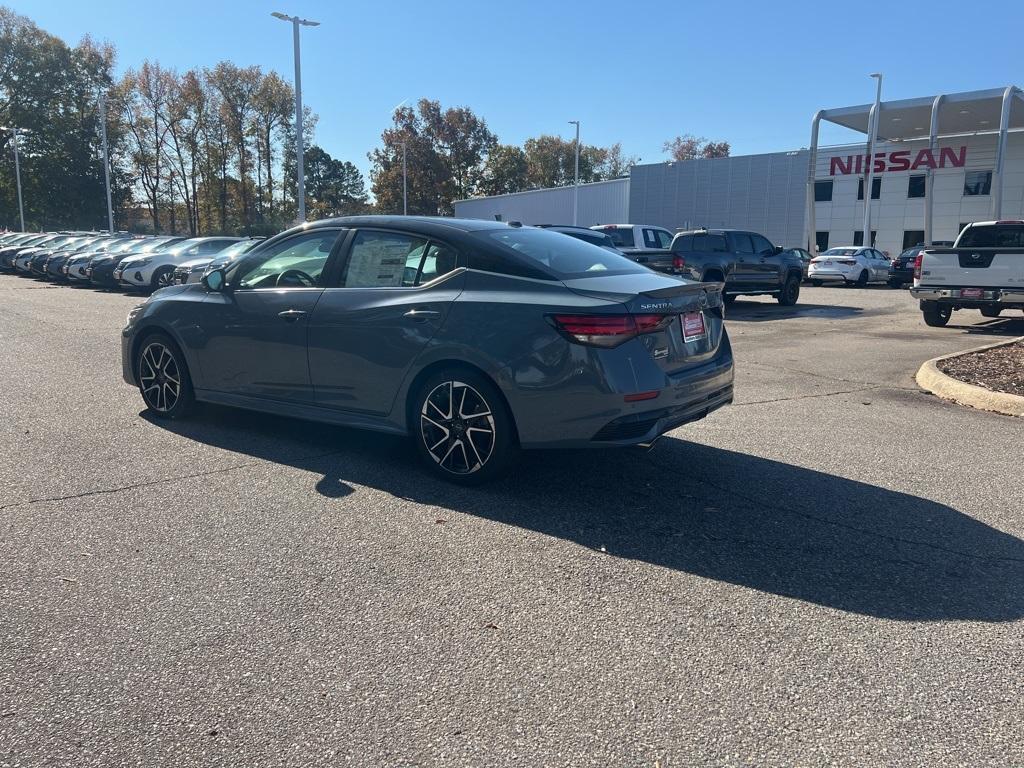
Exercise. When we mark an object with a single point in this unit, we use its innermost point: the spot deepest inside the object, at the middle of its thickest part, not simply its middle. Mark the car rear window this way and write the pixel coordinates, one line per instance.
(840, 252)
(622, 237)
(564, 257)
(996, 236)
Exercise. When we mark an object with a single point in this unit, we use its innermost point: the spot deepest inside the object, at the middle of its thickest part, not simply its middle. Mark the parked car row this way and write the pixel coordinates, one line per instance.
(120, 260)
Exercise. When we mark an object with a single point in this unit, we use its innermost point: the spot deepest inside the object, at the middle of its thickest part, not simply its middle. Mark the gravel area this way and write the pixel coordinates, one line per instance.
(1000, 369)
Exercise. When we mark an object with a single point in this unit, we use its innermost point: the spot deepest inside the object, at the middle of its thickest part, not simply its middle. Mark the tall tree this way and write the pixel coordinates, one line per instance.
(506, 171)
(334, 187)
(690, 147)
(272, 108)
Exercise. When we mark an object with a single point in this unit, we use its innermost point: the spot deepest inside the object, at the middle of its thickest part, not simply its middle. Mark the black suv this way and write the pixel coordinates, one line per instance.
(746, 262)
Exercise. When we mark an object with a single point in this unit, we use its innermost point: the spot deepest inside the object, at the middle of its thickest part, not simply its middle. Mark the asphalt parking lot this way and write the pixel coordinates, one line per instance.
(829, 572)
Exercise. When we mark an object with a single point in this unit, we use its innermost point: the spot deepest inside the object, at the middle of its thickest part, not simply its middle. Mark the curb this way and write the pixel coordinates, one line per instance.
(931, 379)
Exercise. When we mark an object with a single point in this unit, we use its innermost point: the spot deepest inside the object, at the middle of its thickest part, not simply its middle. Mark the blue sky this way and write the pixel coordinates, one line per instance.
(637, 72)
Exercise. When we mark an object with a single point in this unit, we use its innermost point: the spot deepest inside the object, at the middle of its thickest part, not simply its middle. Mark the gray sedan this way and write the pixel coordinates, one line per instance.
(475, 338)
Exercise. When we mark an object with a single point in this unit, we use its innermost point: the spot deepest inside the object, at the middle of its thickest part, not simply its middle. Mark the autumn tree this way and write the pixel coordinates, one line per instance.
(690, 147)
(505, 171)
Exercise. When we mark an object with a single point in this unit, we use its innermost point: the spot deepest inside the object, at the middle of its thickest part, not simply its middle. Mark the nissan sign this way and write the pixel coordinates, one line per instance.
(900, 160)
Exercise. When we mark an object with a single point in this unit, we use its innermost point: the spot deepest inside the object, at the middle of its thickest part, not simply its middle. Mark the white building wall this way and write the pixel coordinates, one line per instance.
(603, 202)
(895, 213)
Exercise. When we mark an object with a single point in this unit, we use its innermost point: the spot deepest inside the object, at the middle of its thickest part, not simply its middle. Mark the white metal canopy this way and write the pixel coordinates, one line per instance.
(998, 111)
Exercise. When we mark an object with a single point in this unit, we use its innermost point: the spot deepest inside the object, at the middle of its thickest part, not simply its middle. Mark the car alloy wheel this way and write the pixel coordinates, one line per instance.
(159, 377)
(458, 428)
(164, 278)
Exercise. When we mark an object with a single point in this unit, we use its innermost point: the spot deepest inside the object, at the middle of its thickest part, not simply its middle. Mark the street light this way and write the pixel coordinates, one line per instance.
(576, 177)
(873, 121)
(17, 172)
(300, 170)
(106, 161)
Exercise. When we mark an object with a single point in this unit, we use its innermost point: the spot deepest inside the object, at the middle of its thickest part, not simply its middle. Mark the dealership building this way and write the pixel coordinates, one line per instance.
(938, 163)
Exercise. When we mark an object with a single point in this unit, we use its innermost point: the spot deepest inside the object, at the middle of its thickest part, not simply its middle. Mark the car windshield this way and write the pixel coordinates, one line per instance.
(840, 252)
(564, 257)
(234, 250)
(126, 245)
(910, 252)
(994, 236)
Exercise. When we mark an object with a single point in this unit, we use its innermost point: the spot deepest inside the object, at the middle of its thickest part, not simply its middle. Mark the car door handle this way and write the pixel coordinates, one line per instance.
(421, 315)
(291, 315)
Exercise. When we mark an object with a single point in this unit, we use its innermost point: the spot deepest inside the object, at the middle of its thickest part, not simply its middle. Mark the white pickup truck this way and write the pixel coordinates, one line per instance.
(983, 270)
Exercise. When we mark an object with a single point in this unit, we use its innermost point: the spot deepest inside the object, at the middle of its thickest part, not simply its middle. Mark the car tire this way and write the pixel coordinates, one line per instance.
(935, 315)
(790, 292)
(462, 428)
(163, 377)
(816, 283)
(862, 279)
(163, 277)
(991, 311)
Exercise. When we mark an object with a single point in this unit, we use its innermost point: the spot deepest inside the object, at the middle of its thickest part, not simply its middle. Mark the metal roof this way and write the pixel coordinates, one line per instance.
(959, 113)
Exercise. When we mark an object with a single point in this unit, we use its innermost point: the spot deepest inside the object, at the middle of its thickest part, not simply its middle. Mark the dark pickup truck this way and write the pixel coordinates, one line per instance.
(746, 262)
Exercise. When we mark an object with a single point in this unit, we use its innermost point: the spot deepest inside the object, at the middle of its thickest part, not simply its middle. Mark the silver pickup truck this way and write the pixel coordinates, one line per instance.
(643, 243)
(983, 270)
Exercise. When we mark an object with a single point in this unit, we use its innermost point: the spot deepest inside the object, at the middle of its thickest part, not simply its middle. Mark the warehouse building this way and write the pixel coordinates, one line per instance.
(939, 162)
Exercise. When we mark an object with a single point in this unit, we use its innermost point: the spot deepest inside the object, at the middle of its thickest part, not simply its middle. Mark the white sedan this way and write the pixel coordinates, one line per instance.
(849, 265)
(156, 270)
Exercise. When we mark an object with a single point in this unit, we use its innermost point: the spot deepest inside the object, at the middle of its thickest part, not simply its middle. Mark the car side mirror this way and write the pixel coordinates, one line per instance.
(777, 250)
(215, 280)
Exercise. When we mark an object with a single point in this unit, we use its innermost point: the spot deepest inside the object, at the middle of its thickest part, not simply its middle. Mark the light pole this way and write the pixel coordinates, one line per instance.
(106, 161)
(576, 177)
(17, 173)
(873, 119)
(405, 184)
(300, 170)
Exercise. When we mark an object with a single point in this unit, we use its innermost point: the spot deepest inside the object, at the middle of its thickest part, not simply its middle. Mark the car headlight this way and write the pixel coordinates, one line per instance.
(139, 263)
(133, 315)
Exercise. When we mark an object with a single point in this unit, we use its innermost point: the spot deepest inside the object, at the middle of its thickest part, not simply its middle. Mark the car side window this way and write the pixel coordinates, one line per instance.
(651, 239)
(717, 244)
(664, 238)
(742, 242)
(683, 244)
(761, 244)
(383, 260)
(438, 262)
(297, 262)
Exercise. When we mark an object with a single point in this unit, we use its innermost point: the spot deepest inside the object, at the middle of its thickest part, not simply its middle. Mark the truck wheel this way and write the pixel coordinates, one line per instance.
(935, 314)
(991, 311)
(790, 291)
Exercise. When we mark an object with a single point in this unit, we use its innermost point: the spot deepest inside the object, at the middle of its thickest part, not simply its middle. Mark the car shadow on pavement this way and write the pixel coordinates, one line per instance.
(757, 311)
(1010, 326)
(732, 517)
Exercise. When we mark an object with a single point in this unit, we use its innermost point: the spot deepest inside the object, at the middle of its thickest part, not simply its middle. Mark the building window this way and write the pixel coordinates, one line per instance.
(915, 186)
(977, 183)
(876, 188)
(823, 191)
(821, 240)
(858, 237)
(912, 237)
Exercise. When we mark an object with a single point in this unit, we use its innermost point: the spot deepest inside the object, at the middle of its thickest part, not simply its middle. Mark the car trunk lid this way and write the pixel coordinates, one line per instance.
(696, 311)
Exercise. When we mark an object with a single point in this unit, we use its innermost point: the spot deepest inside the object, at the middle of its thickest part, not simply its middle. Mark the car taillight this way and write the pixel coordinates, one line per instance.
(678, 262)
(608, 330)
(917, 266)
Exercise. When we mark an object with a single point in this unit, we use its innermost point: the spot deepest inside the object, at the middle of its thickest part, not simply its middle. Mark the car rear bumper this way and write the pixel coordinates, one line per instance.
(610, 421)
(827, 275)
(989, 296)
